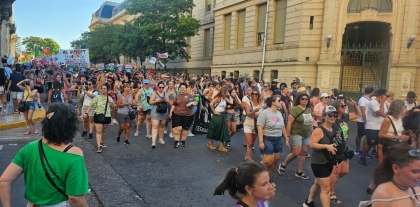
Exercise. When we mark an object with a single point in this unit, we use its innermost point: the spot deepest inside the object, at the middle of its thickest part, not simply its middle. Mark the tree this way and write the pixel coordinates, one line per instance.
(103, 43)
(165, 25)
(82, 42)
(131, 41)
(35, 44)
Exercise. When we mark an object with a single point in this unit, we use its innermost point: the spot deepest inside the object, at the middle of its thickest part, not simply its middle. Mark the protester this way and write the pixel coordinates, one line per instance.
(3, 88)
(16, 92)
(102, 105)
(249, 184)
(271, 130)
(124, 103)
(319, 108)
(57, 94)
(28, 93)
(87, 94)
(299, 128)
(341, 129)
(142, 98)
(315, 98)
(182, 115)
(397, 179)
(361, 121)
(410, 101)
(218, 129)
(159, 99)
(39, 86)
(231, 110)
(64, 162)
(321, 143)
(172, 93)
(253, 106)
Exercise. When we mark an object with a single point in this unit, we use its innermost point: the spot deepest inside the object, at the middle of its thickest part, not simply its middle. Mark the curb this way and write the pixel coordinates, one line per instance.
(38, 115)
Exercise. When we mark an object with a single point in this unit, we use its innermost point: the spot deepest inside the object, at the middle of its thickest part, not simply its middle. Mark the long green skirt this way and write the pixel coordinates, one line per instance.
(218, 130)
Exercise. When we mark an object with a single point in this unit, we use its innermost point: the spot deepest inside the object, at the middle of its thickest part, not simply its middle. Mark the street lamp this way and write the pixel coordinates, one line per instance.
(411, 40)
(329, 37)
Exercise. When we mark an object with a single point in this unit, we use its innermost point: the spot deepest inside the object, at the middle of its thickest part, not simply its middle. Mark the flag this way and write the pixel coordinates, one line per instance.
(161, 63)
(10, 59)
(36, 52)
(152, 60)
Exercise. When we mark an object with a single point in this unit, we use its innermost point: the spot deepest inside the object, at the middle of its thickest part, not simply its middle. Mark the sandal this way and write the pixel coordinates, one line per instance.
(248, 159)
(335, 200)
(211, 146)
(223, 149)
(282, 169)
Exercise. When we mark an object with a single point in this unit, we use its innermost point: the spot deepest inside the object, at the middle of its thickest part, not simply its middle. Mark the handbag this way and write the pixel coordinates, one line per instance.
(101, 117)
(161, 107)
(22, 107)
(131, 113)
(42, 157)
(389, 143)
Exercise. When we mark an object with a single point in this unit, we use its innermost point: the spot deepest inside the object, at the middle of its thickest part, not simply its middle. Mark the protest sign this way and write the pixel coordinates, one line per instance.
(128, 68)
(101, 66)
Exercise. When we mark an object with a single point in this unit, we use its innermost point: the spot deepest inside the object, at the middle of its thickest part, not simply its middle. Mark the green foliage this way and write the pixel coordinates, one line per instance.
(103, 43)
(165, 25)
(82, 42)
(32, 42)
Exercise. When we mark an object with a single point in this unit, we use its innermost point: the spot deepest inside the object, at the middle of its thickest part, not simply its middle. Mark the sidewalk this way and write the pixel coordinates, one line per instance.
(9, 120)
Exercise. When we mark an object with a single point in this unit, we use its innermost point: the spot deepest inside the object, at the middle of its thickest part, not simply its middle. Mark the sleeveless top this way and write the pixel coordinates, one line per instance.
(221, 106)
(56, 96)
(125, 109)
(318, 156)
(143, 100)
(172, 96)
(398, 126)
(232, 106)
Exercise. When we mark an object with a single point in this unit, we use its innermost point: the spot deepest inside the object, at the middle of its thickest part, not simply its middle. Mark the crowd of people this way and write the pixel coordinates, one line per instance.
(271, 113)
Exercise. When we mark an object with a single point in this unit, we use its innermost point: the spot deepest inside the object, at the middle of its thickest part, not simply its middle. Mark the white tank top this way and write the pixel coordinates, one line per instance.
(221, 107)
(398, 126)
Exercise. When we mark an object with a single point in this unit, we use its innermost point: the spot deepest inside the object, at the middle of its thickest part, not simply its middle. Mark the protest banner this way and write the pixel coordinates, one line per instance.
(128, 68)
(70, 65)
(101, 66)
(120, 67)
(82, 67)
(75, 55)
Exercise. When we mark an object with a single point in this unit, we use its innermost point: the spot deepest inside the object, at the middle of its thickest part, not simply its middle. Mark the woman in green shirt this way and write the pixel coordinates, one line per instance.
(68, 181)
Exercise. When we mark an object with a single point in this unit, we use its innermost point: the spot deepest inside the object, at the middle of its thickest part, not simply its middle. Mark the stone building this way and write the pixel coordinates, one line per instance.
(7, 28)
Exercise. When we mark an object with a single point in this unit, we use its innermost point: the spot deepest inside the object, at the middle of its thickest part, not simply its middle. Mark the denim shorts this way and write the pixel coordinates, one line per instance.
(272, 145)
(297, 140)
(31, 105)
(230, 117)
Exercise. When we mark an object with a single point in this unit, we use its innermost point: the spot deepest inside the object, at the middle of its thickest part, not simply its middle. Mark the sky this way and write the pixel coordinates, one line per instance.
(61, 20)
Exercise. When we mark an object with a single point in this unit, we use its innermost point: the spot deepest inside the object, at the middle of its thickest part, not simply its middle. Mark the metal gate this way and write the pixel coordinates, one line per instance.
(362, 66)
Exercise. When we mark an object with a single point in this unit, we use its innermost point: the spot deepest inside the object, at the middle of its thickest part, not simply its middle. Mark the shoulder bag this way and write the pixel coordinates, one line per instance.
(389, 143)
(22, 107)
(161, 107)
(42, 157)
(101, 117)
(131, 113)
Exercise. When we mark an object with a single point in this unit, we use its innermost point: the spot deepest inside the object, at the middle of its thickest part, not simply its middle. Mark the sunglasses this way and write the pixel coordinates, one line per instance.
(279, 101)
(146, 84)
(265, 86)
(343, 106)
(254, 94)
(335, 115)
(326, 97)
(411, 97)
(414, 153)
(161, 87)
(304, 99)
(89, 84)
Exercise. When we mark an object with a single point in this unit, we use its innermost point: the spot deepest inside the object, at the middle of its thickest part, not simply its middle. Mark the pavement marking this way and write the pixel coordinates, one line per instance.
(1, 147)
(13, 144)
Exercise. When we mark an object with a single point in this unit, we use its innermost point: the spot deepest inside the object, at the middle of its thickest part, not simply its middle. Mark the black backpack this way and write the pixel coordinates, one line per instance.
(340, 145)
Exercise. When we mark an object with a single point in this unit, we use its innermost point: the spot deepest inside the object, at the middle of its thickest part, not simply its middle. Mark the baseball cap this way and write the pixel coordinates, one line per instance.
(164, 76)
(146, 81)
(324, 95)
(301, 90)
(334, 90)
(275, 81)
(277, 92)
(330, 110)
(411, 93)
(341, 96)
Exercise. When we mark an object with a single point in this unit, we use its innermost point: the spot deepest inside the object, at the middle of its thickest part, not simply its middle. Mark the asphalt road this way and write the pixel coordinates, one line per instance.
(138, 175)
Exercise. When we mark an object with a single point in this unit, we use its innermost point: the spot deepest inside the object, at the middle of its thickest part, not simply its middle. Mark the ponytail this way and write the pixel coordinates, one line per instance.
(229, 184)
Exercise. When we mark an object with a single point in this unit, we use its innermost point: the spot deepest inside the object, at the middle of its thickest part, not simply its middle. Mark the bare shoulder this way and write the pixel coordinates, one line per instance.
(76, 151)
(382, 192)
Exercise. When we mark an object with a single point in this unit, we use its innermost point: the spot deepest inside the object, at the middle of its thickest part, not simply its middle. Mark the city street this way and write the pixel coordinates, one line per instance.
(138, 175)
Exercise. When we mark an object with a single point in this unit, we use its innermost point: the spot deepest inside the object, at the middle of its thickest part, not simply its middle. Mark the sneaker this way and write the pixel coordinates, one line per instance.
(358, 153)
(362, 161)
(183, 143)
(15, 112)
(126, 142)
(99, 150)
(308, 155)
(118, 139)
(227, 144)
(190, 134)
(244, 145)
(311, 204)
(161, 141)
(136, 134)
(165, 131)
(253, 147)
(368, 156)
(115, 121)
(153, 145)
(374, 152)
(171, 135)
(149, 136)
(103, 145)
(90, 136)
(110, 124)
(84, 133)
(301, 175)
(176, 144)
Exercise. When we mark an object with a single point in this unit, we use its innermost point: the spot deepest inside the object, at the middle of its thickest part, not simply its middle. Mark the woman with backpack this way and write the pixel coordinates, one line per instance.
(144, 108)
(57, 93)
(322, 161)
(159, 99)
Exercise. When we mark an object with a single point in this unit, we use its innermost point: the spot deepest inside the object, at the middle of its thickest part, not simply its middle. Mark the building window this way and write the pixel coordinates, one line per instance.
(207, 43)
(357, 6)
(236, 74)
(240, 34)
(208, 5)
(223, 75)
(227, 30)
(189, 46)
(256, 74)
(274, 74)
(311, 22)
(262, 10)
(280, 21)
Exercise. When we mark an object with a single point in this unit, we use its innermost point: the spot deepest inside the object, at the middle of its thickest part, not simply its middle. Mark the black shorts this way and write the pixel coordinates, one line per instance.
(372, 137)
(322, 170)
(360, 129)
(40, 89)
(107, 120)
(184, 121)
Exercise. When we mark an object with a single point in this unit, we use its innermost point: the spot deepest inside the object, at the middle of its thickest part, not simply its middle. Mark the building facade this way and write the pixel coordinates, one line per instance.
(344, 44)
(7, 27)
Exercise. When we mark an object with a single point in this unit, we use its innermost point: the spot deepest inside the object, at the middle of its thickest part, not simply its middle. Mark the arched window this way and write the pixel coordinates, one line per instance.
(357, 6)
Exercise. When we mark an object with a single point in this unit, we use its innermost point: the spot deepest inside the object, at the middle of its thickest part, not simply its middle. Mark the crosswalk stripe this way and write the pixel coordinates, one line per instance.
(1, 147)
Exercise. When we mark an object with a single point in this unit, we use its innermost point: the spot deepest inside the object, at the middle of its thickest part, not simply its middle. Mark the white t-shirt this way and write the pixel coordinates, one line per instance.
(246, 100)
(363, 101)
(373, 122)
(87, 100)
(408, 106)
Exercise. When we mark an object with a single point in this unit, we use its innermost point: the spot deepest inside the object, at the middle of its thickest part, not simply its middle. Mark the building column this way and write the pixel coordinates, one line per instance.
(4, 40)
